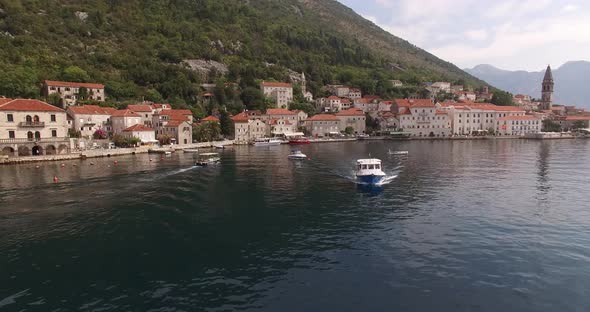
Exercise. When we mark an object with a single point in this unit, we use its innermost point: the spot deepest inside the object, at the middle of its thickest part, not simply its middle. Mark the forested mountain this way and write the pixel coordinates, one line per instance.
(138, 47)
(570, 81)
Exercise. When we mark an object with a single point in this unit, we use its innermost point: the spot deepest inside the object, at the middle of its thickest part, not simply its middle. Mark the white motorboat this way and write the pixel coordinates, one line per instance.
(191, 150)
(206, 159)
(368, 171)
(390, 152)
(267, 142)
(297, 155)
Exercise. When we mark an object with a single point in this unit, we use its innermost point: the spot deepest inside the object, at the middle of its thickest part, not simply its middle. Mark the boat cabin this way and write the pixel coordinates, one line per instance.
(368, 164)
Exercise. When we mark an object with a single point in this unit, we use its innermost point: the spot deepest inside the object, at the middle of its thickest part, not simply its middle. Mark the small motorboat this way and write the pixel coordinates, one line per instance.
(191, 150)
(219, 147)
(297, 155)
(390, 152)
(362, 136)
(168, 153)
(207, 159)
(368, 171)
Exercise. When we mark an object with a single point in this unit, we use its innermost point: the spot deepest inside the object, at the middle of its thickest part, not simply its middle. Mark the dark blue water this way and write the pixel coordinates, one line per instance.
(465, 226)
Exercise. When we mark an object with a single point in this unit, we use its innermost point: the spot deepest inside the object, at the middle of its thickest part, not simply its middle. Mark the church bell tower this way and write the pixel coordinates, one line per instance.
(547, 90)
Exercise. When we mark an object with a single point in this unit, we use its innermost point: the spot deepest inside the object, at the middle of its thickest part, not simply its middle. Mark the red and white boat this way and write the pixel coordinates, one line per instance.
(299, 141)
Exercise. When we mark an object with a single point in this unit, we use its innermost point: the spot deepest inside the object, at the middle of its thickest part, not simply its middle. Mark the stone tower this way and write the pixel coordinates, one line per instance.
(547, 90)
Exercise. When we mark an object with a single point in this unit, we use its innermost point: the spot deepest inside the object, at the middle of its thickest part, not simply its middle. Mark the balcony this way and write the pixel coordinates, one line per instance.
(31, 124)
(38, 140)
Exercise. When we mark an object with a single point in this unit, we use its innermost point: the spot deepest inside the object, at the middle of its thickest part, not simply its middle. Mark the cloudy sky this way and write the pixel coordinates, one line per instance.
(509, 34)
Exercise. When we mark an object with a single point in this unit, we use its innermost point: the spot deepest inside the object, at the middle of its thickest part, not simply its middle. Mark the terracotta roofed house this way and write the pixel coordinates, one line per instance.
(123, 119)
(69, 92)
(144, 133)
(281, 93)
(354, 118)
(89, 118)
(32, 127)
(322, 125)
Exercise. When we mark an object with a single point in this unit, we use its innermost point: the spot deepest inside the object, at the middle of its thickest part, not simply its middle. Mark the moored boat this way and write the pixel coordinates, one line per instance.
(369, 171)
(390, 152)
(299, 141)
(267, 142)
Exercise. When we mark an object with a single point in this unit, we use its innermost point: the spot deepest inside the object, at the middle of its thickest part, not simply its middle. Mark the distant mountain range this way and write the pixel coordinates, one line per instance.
(571, 87)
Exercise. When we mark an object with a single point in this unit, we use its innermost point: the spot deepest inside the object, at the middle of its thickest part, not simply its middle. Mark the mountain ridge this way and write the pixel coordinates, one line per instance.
(136, 48)
(569, 80)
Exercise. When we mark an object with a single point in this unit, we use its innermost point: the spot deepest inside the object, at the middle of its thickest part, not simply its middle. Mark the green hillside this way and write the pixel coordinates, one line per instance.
(137, 47)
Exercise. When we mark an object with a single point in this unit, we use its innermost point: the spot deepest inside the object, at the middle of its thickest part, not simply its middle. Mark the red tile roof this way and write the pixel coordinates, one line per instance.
(241, 117)
(159, 105)
(345, 101)
(175, 123)
(351, 112)
(279, 111)
(414, 102)
(53, 83)
(124, 113)
(583, 117)
(27, 105)
(210, 118)
(91, 110)
(139, 127)
(276, 84)
(178, 112)
(323, 117)
(333, 97)
(143, 108)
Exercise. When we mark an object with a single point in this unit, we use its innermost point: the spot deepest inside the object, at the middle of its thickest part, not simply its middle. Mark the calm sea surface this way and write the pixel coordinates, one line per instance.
(465, 226)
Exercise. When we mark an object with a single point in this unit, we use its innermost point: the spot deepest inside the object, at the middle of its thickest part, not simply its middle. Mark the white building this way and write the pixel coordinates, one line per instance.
(472, 118)
(89, 118)
(354, 93)
(439, 86)
(281, 93)
(145, 134)
(69, 92)
(425, 119)
(518, 125)
(32, 127)
(123, 119)
(396, 83)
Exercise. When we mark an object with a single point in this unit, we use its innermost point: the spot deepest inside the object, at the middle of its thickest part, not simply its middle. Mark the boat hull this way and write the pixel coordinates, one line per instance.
(299, 142)
(370, 179)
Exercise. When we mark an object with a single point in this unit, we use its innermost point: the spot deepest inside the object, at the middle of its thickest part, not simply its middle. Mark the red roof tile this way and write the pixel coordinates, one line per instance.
(27, 105)
(333, 97)
(124, 113)
(139, 127)
(525, 117)
(91, 110)
(175, 123)
(241, 117)
(414, 102)
(53, 83)
(582, 117)
(323, 117)
(210, 118)
(351, 112)
(144, 108)
(279, 111)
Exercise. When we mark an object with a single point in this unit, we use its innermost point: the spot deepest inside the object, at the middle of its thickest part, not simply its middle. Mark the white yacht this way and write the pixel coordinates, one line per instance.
(368, 171)
(398, 153)
(297, 155)
(267, 142)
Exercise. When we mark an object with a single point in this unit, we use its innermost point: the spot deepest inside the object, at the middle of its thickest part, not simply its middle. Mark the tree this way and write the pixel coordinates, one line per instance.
(551, 126)
(371, 123)
(164, 139)
(502, 98)
(100, 134)
(206, 131)
(75, 74)
(253, 98)
(579, 124)
(349, 130)
(55, 100)
(306, 107)
(82, 93)
(226, 124)
(153, 95)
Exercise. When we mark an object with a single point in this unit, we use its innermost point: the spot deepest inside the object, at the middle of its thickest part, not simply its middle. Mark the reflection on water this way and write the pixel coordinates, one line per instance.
(458, 227)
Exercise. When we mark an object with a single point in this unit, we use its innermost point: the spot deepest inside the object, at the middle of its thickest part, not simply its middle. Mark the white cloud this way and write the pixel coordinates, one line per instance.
(509, 33)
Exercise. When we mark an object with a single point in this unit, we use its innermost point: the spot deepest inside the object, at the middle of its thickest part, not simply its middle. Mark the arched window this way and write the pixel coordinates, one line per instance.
(29, 134)
(29, 119)
(36, 119)
(37, 135)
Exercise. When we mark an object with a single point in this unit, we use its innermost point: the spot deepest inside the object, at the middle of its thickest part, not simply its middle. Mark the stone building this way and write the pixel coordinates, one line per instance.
(70, 92)
(281, 93)
(32, 127)
(322, 125)
(354, 118)
(144, 133)
(89, 118)
(123, 119)
(248, 128)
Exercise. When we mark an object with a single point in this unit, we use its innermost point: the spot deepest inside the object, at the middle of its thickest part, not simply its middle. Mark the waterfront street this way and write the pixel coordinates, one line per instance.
(486, 225)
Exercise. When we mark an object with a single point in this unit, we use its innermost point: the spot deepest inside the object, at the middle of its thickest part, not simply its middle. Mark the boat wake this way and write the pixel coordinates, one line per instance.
(180, 171)
(352, 178)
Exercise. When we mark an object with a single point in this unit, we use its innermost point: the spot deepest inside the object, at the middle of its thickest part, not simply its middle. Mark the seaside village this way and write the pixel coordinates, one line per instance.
(30, 127)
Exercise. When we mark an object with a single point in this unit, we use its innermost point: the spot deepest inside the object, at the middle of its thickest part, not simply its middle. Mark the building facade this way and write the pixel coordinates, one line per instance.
(71, 92)
(280, 93)
(247, 129)
(353, 118)
(144, 133)
(518, 125)
(123, 119)
(321, 125)
(31, 128)
(89, 118)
